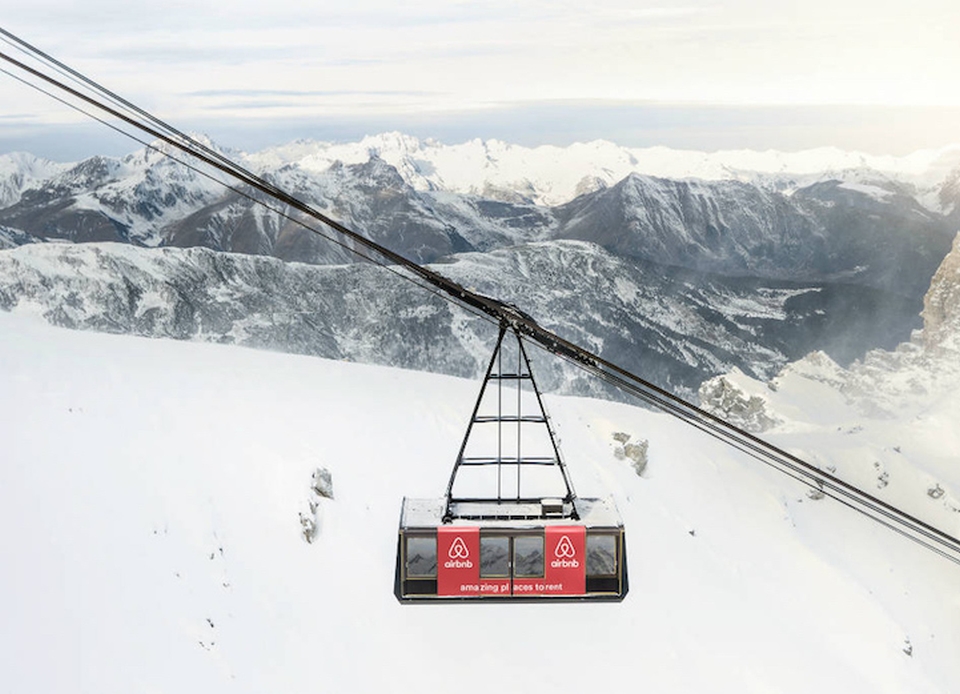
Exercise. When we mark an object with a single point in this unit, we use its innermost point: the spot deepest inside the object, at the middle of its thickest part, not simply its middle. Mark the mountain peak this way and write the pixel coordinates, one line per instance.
(391, 142)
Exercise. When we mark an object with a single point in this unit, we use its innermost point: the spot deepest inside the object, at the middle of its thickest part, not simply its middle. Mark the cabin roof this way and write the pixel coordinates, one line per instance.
(428, 513)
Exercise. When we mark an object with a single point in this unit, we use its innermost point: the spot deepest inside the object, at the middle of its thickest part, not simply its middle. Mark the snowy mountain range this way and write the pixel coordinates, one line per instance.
(674, 327)
(434, 186)
(720, 266)
(550, 175)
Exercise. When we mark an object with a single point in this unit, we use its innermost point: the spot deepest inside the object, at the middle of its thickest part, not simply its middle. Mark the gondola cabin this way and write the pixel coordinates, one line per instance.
(510, 526)
(524, 554)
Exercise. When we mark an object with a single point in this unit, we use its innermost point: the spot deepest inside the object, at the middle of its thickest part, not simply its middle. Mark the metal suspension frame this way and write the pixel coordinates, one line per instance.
(524, 373)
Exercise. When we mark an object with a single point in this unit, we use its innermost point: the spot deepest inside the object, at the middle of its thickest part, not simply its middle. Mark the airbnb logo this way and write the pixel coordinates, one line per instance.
(458, 550)
(459, 555)
(564, 549)
(565, 554)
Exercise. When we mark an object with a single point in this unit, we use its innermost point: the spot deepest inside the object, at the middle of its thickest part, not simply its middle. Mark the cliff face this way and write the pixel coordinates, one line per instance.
(941, 305)
(884, 383)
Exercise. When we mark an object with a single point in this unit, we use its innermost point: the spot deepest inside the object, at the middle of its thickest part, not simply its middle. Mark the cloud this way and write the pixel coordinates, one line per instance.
(383, 60)
(181, 52)
(684, 126)
(18, 117)
(303, 93)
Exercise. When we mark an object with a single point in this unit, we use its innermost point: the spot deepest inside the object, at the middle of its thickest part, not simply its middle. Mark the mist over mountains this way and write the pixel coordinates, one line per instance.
(680, 276)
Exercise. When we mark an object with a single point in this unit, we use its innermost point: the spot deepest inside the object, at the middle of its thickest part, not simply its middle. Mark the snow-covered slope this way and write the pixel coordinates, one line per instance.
(151, 541)
(20, 171)
(830, 230)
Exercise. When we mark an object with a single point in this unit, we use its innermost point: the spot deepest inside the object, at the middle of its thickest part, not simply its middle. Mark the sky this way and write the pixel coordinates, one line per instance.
(875, 76)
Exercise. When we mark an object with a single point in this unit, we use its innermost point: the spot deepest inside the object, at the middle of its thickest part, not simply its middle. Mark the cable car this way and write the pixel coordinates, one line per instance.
(510, 526)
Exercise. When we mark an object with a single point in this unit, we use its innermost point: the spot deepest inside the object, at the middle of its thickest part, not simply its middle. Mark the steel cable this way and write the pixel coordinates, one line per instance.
(484, 307)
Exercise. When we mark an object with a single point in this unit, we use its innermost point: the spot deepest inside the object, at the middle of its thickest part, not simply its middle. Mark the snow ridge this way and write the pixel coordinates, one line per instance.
(551, 175)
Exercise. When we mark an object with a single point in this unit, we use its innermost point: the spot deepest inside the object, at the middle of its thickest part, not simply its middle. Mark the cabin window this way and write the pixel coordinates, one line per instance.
(421, 557)
(528, 556)
(494, 556)
(601, 554)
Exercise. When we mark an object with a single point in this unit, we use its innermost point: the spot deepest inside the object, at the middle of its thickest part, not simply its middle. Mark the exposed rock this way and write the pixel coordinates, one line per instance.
(720, 397)
(941, 305)
(323, 482)
(311, 518)
(880, 382)
(636, 453)
(649, 300)
(11, 238)
(871, 234)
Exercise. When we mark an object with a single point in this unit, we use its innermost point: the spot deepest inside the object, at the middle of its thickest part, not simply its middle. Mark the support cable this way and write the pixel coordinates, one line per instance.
(485, 307)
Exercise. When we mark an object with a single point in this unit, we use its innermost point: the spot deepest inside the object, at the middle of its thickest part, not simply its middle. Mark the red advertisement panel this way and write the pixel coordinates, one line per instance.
(458, 561)
(458, 564)
(564, 570)
(566, 558)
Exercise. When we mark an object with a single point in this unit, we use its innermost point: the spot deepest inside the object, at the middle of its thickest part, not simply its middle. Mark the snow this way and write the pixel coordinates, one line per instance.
(882, 424)
(876, 192)
(20, 171)
(552, 175)
(149, 525)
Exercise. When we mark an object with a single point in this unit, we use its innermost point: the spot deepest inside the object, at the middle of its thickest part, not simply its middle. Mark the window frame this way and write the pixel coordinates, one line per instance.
(543, 560)
(406, 555)
(615, 536)
(497, 536)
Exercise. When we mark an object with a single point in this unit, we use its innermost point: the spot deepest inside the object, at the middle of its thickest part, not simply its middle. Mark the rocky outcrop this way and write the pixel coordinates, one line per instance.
(720, 397)
(11, 238)
(941, 305)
